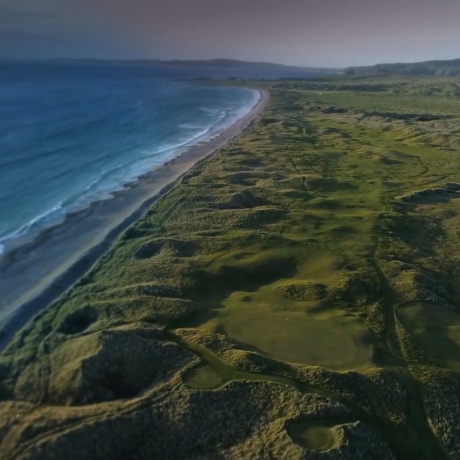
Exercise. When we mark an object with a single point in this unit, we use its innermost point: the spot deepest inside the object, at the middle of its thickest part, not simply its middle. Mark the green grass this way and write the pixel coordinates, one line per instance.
(436, 331)
(290, 331)
(203, 377)
(290, 248)
(319, 436)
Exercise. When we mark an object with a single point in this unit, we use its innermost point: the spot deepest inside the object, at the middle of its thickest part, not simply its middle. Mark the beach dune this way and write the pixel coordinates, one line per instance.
(32, 276)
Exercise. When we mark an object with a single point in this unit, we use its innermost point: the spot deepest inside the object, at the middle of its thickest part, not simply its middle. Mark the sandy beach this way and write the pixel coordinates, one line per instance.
(32, 276)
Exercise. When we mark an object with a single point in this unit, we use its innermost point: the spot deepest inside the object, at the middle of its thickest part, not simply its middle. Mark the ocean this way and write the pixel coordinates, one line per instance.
(73, 134)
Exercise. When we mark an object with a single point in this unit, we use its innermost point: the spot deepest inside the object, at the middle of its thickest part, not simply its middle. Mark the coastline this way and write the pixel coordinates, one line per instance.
(33, 276)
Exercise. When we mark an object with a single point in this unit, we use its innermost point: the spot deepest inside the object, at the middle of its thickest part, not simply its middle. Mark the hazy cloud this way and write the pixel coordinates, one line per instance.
(18, 16)
(302, 32)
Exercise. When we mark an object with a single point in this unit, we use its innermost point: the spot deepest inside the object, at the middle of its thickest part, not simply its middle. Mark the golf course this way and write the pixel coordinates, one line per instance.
(296, 295)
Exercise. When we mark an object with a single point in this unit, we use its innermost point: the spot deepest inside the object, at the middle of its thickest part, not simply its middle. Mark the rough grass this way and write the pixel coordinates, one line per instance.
(199, 334)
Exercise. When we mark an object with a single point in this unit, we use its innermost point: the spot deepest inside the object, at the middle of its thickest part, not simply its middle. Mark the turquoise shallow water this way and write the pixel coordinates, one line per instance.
(71, 135)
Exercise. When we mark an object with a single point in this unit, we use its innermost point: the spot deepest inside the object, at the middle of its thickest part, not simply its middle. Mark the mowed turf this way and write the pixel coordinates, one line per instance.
(435, 329)
(296, 332)
(316, 435)
(203, 376)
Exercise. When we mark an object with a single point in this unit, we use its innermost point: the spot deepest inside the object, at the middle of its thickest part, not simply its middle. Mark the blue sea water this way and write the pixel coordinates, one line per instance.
(71, 135)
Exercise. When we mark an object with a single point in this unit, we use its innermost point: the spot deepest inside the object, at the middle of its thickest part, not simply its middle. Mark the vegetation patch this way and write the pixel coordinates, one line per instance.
(435, 329)
(115, 364)
(356, 288)
(303, 291)
(347, 182)
(315, 435)
(202, 377)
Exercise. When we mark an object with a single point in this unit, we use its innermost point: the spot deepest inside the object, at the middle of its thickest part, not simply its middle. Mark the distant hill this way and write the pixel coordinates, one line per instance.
(262, 69)
(236, 63)
(449, 68)
(215, 68)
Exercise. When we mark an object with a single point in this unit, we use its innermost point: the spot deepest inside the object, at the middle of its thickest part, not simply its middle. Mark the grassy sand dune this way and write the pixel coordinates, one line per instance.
(254, 310)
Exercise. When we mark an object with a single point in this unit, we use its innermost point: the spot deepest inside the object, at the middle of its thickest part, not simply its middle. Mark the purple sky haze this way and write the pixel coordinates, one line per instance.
(331, 33)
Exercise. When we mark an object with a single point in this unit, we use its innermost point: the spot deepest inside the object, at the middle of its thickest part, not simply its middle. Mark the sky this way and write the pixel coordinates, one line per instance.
(321, 33)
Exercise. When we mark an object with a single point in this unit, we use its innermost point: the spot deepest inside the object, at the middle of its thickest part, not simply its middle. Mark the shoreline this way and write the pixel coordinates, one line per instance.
(34, 275)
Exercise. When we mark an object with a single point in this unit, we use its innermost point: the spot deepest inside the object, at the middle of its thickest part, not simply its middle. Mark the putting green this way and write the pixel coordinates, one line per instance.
(298, 338)
(435, 329)
(296, 332)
